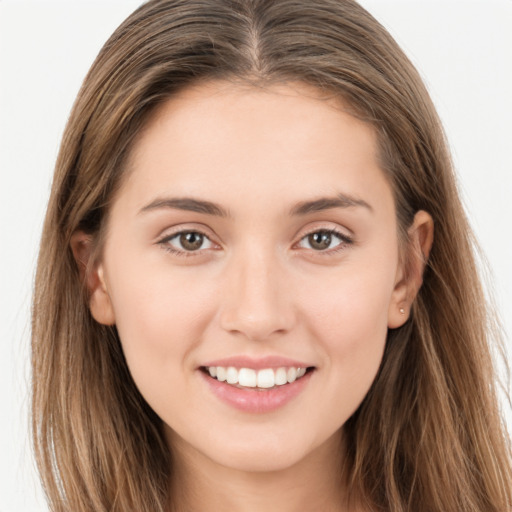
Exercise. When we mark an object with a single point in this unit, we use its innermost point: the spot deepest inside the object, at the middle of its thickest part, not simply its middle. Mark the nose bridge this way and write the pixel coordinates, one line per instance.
(256, 301)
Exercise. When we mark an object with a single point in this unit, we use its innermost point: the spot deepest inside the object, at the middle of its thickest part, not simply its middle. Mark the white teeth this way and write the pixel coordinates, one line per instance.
(247, 377)
(266, 378)
(221, 373)
(281, 377)
(250, 378)
(291, 374)
(232, 375)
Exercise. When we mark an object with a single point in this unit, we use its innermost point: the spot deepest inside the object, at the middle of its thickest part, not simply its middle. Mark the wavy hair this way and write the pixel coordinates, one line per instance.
(428, 436)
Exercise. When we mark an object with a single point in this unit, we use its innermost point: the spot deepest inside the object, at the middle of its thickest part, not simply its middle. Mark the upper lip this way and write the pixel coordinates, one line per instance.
(257, 363)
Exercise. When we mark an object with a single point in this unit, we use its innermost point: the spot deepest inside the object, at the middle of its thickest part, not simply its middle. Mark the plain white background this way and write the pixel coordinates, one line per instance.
(462, 48)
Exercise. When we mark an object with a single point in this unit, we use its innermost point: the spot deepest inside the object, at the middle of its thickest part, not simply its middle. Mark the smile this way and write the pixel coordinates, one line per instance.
(257, 385)
(263, 379)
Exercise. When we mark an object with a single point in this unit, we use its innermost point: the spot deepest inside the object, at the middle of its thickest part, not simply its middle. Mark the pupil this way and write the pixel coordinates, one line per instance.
(320, 240)
(191, 241)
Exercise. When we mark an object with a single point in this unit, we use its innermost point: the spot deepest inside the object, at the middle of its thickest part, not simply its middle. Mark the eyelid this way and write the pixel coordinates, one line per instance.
(186, 227)
(170, 233)
(345, 238)
(331, 227)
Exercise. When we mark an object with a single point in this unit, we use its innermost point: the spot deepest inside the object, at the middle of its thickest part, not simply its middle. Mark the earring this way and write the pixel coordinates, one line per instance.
(402, 311)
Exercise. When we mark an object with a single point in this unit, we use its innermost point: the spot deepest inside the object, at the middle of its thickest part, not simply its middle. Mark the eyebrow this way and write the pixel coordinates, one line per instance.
(207, 207)
(188, 204)
(326, 203)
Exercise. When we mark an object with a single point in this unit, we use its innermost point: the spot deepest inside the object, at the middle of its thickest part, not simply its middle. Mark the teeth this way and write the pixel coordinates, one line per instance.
(266, 378)
(232, 375)
(281, 376)
(221, 373)
(249, 378)
(291, 374)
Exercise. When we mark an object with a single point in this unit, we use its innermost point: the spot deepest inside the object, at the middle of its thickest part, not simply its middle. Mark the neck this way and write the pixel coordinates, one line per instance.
(314, 483)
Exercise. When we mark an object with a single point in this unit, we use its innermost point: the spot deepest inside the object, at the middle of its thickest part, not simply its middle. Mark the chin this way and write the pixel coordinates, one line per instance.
(266, 452)
(259, 461)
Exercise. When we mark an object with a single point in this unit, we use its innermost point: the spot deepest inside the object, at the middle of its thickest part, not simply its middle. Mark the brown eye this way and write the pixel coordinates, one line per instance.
(324, 239)
(320, 240)
(191, 241)
(187, 241)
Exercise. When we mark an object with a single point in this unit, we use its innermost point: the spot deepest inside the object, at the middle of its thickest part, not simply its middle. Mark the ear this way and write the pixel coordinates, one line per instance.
(92, 275)
(410, 274)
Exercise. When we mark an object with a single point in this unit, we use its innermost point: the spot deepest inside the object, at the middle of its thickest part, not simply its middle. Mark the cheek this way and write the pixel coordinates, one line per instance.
(159, 318)
(353, 307)
(349, 321)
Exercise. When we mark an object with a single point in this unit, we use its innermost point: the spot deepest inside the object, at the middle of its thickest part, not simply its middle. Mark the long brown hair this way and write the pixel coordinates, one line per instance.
(428, 436)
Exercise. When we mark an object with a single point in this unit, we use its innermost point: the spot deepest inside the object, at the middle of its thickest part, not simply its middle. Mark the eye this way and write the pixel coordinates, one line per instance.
(187, 241)
(323, 240)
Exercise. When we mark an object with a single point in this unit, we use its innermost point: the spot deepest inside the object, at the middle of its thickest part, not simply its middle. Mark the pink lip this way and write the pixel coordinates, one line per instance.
(252, 400)
(257, 363)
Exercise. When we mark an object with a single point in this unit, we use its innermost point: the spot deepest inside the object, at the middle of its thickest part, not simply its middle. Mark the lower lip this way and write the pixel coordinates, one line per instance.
(253, 400)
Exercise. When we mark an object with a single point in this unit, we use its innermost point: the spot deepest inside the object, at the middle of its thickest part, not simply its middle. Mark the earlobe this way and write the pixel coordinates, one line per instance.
(397, 314)
(92, 274)
(410, 276)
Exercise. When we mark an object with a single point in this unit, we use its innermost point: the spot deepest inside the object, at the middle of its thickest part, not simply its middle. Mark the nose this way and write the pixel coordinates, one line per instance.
(257, 300)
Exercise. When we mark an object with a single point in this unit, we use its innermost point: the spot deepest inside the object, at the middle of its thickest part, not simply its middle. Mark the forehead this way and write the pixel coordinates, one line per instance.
(216, 107)
(288, 139)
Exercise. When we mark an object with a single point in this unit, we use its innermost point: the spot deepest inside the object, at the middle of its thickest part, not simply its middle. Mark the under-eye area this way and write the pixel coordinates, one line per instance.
(266, 378)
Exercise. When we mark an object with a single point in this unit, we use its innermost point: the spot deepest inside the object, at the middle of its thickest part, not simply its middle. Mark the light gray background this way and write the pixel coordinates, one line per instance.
(462, 48)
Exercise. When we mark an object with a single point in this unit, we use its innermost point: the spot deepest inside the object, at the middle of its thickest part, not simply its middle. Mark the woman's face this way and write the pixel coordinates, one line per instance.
(253, 236)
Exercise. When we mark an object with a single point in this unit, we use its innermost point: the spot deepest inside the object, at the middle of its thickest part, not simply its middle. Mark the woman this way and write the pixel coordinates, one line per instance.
(256, 286)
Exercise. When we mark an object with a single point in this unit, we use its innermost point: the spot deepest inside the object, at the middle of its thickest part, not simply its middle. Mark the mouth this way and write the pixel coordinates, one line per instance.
(264, 379)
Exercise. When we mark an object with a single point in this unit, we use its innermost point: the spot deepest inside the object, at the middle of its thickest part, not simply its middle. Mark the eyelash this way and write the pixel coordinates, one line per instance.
(345, 241)
(164, 242)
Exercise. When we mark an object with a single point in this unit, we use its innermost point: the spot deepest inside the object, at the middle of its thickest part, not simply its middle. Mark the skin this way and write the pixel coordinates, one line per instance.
(256, 286)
